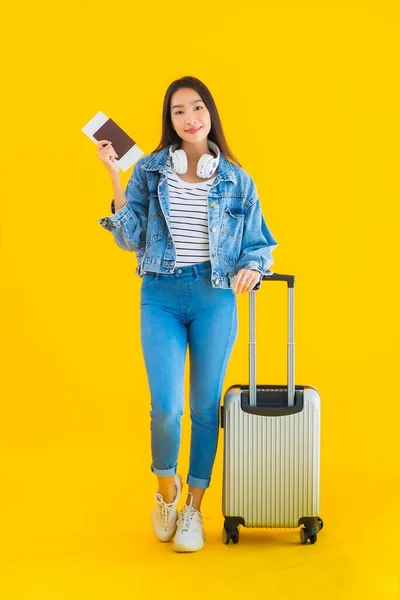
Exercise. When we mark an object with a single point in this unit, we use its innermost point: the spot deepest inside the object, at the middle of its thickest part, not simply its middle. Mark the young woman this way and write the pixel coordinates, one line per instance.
(194, 220)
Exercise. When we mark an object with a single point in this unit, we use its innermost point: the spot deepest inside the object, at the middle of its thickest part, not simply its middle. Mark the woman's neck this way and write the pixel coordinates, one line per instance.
(195, 151)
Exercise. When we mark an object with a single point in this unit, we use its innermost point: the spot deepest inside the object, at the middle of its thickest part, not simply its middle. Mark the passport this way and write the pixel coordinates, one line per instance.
(101, 127)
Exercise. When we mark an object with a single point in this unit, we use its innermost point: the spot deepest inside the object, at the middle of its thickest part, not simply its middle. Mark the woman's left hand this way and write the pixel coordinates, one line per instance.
(245, 280)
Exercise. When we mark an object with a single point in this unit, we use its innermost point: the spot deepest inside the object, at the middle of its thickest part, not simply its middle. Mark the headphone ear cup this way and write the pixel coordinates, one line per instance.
(206, 166)
(179, 161)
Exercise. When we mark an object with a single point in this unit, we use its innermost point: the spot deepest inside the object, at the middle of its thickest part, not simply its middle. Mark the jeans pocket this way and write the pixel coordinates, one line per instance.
(149, 279)
(205, 275)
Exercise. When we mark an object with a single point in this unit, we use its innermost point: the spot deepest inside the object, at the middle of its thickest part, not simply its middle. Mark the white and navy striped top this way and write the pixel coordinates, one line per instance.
(189, 218)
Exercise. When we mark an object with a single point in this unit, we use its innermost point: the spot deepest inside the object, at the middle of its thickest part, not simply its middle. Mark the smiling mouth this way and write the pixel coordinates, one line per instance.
(193, 130)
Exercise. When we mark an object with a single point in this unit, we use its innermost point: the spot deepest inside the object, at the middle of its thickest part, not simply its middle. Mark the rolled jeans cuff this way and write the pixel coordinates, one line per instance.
(198, 483)
(163, 472)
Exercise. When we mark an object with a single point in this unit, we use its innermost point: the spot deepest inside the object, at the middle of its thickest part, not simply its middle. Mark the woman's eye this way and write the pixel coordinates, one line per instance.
(179, 111)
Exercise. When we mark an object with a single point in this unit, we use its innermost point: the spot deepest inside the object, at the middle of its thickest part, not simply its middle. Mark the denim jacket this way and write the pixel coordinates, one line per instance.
(238, 234)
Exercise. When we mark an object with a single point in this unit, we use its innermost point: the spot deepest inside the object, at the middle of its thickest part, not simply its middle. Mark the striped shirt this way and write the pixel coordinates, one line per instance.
(189, 218)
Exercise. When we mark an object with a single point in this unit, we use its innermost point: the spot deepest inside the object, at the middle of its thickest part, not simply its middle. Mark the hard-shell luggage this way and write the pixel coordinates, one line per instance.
(271, 468)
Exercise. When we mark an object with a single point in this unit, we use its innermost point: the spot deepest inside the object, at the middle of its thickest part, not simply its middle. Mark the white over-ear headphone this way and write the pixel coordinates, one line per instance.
(206, 166)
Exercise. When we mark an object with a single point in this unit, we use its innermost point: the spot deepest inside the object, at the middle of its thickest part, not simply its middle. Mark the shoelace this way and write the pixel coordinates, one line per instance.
(185, 518)
(164, 508)
(186, 515)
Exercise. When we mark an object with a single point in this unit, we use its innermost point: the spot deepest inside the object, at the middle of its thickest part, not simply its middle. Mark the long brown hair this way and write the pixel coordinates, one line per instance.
(216, 134)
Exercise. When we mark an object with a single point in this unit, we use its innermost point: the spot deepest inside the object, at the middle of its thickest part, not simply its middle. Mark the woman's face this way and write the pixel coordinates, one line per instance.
(191, 113)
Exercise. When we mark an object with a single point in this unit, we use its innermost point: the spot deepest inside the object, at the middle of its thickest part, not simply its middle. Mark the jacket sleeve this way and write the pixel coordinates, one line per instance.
(128, 224)
(258, 242)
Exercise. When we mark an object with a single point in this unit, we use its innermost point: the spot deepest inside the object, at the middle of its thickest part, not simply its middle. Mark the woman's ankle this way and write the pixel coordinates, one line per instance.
(167, 488)
(195, 497)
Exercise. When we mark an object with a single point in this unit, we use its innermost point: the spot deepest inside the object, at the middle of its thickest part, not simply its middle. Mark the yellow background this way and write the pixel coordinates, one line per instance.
(308, 94)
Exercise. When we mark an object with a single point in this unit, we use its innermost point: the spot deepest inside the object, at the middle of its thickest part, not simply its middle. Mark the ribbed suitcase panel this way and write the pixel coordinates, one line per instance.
(271, 464)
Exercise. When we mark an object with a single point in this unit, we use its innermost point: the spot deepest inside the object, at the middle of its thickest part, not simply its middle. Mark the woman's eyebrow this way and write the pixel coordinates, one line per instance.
(192, 102)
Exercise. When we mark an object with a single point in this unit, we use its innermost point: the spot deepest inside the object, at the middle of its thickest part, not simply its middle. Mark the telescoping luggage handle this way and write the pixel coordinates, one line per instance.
(290, 348)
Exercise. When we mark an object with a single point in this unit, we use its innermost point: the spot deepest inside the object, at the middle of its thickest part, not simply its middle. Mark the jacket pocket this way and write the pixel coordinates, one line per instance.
(230, 239)
(155, 221)
(153, 238)
(232, 224)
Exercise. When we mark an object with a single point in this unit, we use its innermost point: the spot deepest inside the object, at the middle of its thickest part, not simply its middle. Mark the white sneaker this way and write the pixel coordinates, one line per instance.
(190, 534)
(165, 515)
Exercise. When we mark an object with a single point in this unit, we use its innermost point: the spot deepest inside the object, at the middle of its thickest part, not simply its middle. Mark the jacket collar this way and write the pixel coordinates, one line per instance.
(158, 160)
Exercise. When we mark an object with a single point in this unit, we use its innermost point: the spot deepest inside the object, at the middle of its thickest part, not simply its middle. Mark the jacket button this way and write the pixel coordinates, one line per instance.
(212, 203)
(214, 229)
(213, 254)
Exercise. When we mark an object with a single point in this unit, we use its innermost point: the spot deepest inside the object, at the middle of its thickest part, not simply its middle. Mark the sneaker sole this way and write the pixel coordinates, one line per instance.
(182, 548)
(164, 540)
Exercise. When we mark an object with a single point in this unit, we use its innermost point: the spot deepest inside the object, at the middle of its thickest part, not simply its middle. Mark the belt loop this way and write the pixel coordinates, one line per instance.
(195, 271)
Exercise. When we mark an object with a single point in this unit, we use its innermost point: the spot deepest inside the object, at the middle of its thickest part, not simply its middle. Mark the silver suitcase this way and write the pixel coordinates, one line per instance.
(271, 467)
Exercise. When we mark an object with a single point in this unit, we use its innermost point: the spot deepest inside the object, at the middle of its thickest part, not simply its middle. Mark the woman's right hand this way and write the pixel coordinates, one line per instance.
(107, 155)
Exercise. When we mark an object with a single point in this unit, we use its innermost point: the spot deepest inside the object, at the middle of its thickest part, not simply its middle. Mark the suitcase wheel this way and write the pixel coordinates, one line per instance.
(305, 535)
(230, 534)
(310, 529)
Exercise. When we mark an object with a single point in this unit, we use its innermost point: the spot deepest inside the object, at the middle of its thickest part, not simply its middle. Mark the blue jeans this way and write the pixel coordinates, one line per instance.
(178, 309)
